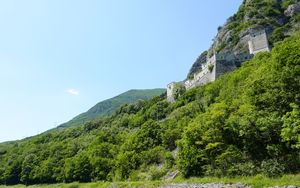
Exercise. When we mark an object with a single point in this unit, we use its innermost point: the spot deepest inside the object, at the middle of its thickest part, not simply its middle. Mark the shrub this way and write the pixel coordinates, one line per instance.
(272, 168)
(156, 172)
(179, 89)
(277, 35)
(296, 18)
(221, 47)
(285, 4)
(210, 170)
(243, 169)
(210, 68)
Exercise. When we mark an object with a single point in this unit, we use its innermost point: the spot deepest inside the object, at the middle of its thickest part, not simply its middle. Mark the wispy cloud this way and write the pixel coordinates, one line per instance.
(73, 92)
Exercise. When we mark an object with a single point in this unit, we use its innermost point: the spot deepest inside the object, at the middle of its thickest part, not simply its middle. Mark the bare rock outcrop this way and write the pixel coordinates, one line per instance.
(292, 10)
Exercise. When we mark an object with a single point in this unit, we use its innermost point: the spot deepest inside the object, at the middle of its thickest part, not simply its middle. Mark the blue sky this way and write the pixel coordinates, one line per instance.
(58, 58)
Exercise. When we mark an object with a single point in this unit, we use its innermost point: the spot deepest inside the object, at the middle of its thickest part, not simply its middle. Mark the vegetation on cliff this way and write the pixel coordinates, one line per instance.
(245, 123)
(271, 15)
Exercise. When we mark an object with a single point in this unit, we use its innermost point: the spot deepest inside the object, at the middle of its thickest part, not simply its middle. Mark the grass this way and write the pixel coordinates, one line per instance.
(148, 184)
(258, 181)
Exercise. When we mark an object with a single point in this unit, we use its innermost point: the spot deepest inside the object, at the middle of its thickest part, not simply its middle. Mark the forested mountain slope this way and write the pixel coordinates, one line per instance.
(244, 123)
(107, 107)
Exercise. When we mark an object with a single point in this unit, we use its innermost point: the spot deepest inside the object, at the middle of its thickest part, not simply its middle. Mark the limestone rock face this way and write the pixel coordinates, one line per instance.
(234, 35)
(292, 10)
(197, 66)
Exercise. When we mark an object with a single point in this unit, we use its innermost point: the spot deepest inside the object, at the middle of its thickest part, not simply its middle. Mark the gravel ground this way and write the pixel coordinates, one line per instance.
(209, 185)
(216, 185)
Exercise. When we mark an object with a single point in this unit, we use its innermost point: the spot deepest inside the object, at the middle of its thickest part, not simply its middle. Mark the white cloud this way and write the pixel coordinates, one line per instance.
(73, 92)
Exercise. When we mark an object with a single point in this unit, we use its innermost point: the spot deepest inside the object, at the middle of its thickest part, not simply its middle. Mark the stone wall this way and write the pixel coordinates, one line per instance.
(170, 90)
(223, 67)
(216, 66)
(258, 42)
(219, 64)
(205, 76)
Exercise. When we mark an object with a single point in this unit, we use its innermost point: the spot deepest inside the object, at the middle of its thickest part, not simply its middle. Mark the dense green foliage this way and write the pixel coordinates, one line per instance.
(252, 126)
(108, 106)
(245, 123)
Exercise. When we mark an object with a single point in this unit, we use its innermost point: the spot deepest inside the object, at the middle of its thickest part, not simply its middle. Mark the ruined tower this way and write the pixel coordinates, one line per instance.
(221, 63)
(170, 90)
(258, 42)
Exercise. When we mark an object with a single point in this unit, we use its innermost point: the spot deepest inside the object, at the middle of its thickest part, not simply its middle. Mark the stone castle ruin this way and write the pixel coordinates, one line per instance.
(221, 63)
(170, 93)
(258, 42)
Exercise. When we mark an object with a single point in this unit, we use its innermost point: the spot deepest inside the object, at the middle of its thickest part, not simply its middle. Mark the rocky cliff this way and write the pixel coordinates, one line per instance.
(278, 17)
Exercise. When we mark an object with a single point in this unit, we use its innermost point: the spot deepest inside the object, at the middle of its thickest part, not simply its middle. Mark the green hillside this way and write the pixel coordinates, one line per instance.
(107, 107)
(245, 123)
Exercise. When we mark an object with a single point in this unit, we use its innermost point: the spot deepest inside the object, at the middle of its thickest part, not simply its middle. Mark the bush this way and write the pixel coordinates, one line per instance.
(221, 47)
(296, 18)
(179, 89)
(272, 168)
(146, 173)
(169, 160)
(285, 4)
(157, 172)
(277, 35)
(210, 170)
(210, 68)
(243, 169)
(271, 12)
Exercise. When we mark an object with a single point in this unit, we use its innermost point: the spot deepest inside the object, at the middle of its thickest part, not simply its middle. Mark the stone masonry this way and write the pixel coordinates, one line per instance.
(220, 63)
(258, 42)
(170, 88)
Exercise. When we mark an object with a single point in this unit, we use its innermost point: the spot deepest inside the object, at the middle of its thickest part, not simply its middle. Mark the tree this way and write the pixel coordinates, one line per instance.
(28, 165)
(290, 132)
(12, 171)
(78, 168)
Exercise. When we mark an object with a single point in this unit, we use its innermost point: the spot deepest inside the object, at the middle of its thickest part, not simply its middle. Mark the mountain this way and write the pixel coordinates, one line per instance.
(107, 107)
(244, 123)
(279, 18)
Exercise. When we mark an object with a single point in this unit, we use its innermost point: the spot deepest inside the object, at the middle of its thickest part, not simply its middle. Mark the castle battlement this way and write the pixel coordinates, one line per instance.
(221, 63)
